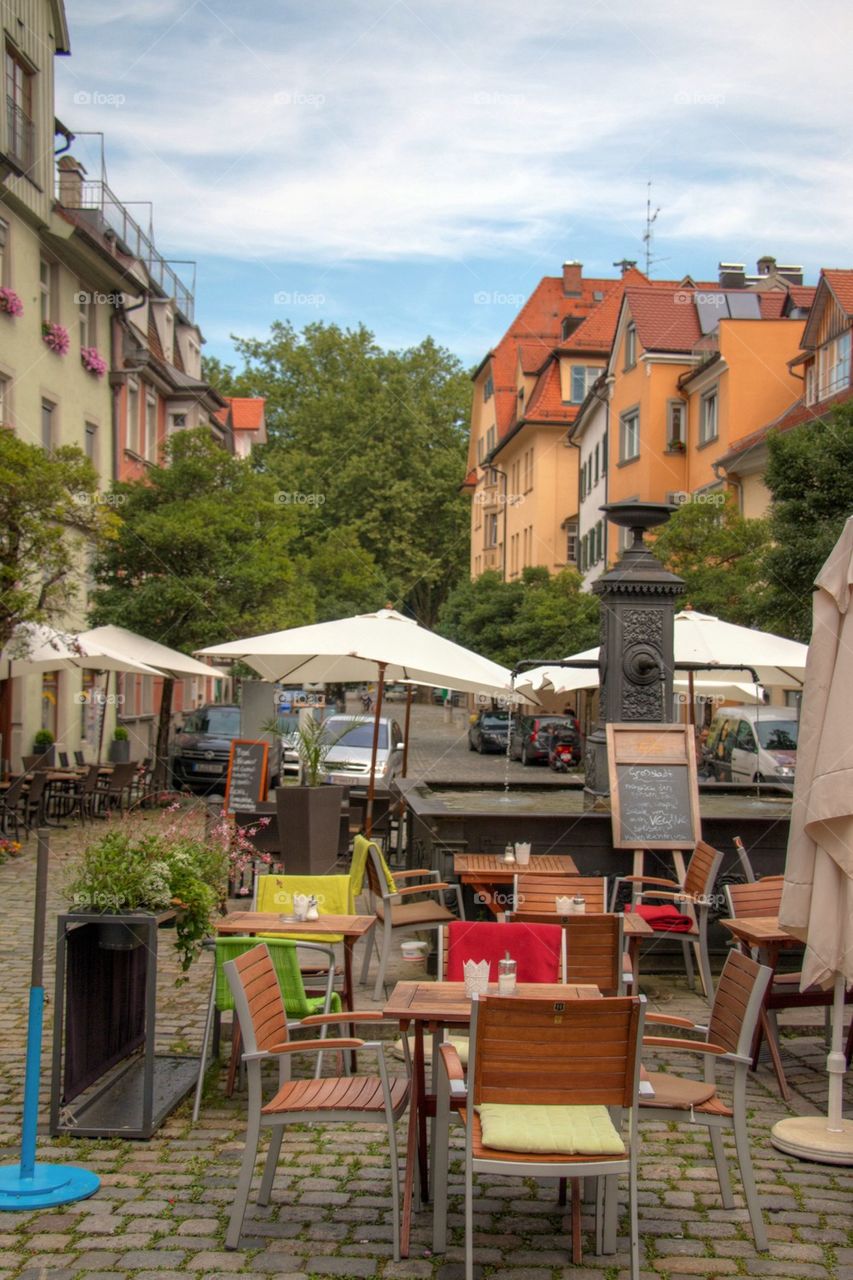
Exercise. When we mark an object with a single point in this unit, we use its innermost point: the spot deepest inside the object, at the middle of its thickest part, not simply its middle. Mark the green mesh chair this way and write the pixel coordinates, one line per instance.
(297, 1003)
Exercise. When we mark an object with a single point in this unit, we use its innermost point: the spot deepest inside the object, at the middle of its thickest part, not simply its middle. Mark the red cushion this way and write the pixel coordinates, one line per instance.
(536, 948)
(666, 919)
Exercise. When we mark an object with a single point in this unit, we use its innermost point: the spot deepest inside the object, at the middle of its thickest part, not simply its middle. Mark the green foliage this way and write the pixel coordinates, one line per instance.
(49, 517)
(202, 553)
(120, 734)
(368, 448)
(811, 480)
(43, 738)
(536, 616)
(718, 554)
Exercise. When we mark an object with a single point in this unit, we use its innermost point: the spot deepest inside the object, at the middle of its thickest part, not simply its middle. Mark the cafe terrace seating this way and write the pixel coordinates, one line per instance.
(373, 1099)
(727, 1038)
(545, 1099)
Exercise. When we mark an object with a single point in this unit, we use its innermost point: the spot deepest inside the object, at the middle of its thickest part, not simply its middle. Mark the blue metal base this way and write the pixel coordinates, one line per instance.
(50, 1184)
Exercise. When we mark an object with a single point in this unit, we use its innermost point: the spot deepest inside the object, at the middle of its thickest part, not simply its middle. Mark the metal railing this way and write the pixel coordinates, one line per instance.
(98, 196)
(20, 135)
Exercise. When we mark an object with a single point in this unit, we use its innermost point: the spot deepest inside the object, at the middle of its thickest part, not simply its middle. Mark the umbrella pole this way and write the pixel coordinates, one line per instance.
(103, 717)
(824, 1139)
(405, 769)
(371, 786)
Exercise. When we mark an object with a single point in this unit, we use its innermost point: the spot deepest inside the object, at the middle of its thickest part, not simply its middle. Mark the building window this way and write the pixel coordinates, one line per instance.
(527, 481)
(834, 360)
(488, 388)
(599, 541)
(708, 418)
(132, 435)
(20, 129)
(675, 434)
(491, 439)
(596, 469)
(87, 314)
(481, 450)
(630, 346)
(491, 537)
(92, 443)
(572, 541)
(4, 252)
(583, 379)
(150, 428)
(49, 310)
(629, 435)
(604, 454)
(48, 425)
(811, 384)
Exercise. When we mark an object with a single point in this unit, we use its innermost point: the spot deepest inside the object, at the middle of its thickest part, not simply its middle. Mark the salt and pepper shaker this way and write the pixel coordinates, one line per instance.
(312, 913)
(579, 904)
(507, 970)
(509, 852)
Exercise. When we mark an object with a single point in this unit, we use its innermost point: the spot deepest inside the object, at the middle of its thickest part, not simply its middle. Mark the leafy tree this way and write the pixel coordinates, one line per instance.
(49, 518)
(202, 553)
(369, 445)
(718, 554)
(536, 616)
(811, 481)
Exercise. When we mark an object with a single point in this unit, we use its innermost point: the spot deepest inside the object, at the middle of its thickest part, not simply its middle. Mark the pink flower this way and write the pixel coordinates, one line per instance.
(11, 303)
(93, 361)
(55, 336)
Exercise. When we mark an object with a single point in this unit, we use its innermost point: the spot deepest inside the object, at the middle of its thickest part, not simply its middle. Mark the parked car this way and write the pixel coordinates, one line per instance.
(395, 693)
(348, 761)
(454, 697)
(531, 736)
(202, 748)
(489, 731)
(753, 744)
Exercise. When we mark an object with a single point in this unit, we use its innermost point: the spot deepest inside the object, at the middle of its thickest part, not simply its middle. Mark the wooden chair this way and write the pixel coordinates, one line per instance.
(537, 895)
(12, 802)
(527, 1054)
(727, 1038)
(693, 898)
(361, 1100)
(79, 759)
(394, 916)
(114, 790)
(595, 951)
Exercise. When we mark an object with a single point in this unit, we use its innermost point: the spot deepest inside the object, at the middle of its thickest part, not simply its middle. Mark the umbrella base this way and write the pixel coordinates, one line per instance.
(809, 1138)
(49, 1184)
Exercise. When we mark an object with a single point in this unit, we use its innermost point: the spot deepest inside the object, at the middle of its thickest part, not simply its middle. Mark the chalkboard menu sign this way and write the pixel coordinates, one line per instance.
(654, 792)
(247, 774)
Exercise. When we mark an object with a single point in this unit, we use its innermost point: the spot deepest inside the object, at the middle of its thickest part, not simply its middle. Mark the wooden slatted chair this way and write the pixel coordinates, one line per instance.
(580, 1059)
(693, 898)
(537, 895)
(394, 916)
(374, 1099)
(764, 898)
(727, 1038)
(595, 952)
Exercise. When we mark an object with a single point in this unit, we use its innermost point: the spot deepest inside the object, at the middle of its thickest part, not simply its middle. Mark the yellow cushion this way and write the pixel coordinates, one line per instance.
(460, 1044)
(570, 1131)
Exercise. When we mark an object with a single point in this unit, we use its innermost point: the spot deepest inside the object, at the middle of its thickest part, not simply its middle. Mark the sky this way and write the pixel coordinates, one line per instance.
(418, 167)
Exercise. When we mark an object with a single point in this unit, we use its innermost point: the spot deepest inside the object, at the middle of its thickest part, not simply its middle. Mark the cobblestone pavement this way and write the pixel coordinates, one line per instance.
(163, 1204)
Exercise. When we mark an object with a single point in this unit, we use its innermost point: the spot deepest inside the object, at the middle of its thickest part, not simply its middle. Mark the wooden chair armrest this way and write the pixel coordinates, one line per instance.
(304, 1046)
(424, 888)
(694, 1046)
(345, 1015)
(661, 893)
(645, 880)
(453, 1068)
(673, 1020)
(419, 871)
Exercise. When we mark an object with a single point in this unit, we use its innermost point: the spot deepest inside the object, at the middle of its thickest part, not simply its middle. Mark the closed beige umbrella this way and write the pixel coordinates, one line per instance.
(817, 902)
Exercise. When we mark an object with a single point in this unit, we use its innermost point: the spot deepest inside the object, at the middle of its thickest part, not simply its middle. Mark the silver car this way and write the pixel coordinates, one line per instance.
(348, 761)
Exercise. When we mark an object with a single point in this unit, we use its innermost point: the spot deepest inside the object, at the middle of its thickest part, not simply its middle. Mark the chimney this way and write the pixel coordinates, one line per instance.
(572, 276)
(766, 265)
(625, 265)
(794, 275)
(71, 173)
(732, 275)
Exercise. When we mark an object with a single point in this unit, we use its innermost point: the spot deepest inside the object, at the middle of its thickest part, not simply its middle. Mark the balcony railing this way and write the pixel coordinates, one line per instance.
(20, 135)
(114, 216)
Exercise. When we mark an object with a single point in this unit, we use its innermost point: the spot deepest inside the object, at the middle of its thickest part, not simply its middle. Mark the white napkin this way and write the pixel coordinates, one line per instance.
(476, 977)
(565, 907)
(522, 853)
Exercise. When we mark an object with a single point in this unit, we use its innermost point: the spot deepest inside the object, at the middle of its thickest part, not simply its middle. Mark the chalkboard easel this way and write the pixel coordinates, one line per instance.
(246, 784)
(654, 790)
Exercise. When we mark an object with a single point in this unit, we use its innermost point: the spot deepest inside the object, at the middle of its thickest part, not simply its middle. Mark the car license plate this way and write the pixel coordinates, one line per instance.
(207, 768)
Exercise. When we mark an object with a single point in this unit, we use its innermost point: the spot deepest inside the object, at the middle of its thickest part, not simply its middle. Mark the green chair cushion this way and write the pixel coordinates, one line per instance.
(549, 1130)
(286, 964)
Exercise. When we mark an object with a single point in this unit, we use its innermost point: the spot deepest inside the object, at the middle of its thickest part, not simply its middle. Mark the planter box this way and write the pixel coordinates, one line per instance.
(119, 752)
(46, 755)
(309, 820)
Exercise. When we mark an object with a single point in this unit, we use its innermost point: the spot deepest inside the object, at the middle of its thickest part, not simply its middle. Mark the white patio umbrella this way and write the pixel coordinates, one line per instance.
(168, 661)
(39, 648)
(370, 646)
(817, 900)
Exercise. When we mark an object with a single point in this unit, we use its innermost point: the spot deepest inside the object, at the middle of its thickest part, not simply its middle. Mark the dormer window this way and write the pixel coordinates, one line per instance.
(20, 126)
(630, 346)
(834, 366)
(488, 388)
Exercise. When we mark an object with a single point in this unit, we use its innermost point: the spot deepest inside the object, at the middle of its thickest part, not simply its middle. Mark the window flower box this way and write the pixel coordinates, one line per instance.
(675, 446)
(10, 303)
(93, 361)
(55, 337)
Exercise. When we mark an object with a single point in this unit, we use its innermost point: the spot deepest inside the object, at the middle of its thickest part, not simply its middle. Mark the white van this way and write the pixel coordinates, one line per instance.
(753, 744)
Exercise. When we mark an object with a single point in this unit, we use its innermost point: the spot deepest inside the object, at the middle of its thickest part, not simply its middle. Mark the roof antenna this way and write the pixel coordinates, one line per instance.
(648, 234)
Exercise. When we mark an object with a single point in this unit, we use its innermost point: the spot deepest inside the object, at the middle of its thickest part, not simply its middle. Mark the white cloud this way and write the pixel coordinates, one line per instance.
(381, 131)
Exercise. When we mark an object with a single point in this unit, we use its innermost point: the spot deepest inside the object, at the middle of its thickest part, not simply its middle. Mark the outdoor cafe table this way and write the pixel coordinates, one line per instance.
(765, 934)
(430, 1005)
(482, 870)
(352, 928)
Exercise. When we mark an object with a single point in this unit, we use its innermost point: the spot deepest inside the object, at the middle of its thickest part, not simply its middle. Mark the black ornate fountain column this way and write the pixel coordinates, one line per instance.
(638, 602)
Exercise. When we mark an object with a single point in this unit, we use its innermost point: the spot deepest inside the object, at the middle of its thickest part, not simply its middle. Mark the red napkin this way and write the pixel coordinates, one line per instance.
(536, 948)
(666, 918)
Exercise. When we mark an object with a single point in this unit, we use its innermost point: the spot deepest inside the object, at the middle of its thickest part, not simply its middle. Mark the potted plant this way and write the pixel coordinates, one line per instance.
(309, 814)
(140, 867)
(675, 446)
(119, 752)
(43, 745)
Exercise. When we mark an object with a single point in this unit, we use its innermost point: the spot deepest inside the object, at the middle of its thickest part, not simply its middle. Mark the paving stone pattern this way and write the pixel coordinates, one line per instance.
(163, 1204)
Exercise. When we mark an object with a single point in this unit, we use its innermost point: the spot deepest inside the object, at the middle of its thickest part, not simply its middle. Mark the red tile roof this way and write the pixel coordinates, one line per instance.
(247, 412)
(546, 402)
(532, 355)
(802, 295)
(841, 284)
(154, 343)
(667, 320)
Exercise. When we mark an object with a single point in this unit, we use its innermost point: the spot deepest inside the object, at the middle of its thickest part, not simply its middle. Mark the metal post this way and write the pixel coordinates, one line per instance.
(371, 786)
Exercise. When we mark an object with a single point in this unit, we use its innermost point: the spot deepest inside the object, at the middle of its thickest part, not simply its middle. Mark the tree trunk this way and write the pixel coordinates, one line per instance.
(161, 755)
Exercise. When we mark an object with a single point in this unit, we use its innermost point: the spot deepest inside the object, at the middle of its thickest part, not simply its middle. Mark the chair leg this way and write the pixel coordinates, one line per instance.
(244, 1182)
(205, 1044)
(702, 958)
(577, 1242)
(634, 1222)
(722, 1167)
(469, 1221)
(440, 1158)
(748, 1179)
(688, 963)
(270, 1165)
(383, 960)
(368, 947)
(394, 1161)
